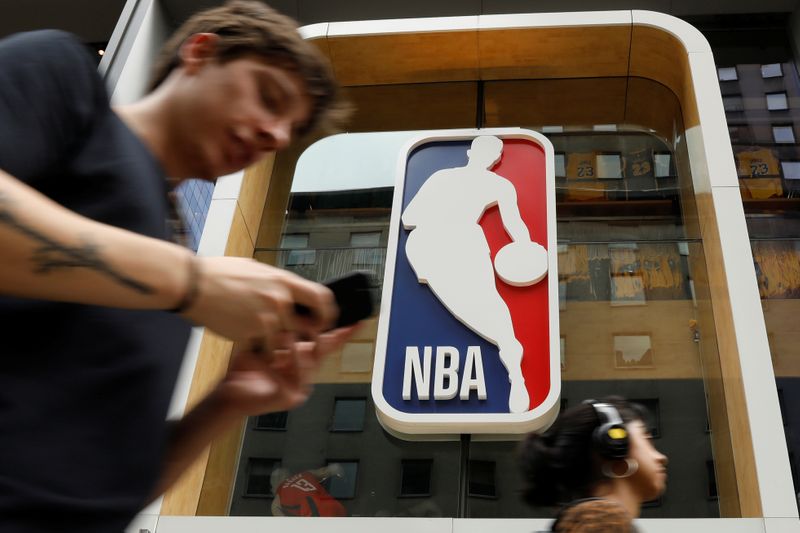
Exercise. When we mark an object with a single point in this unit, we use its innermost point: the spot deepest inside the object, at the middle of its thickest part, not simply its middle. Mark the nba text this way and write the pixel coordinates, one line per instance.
(445, 373)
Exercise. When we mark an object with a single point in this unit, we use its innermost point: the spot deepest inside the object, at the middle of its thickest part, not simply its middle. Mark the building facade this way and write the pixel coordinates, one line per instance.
(677, 170)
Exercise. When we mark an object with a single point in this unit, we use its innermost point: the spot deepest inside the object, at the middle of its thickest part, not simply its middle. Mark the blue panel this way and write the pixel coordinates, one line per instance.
(419, 319)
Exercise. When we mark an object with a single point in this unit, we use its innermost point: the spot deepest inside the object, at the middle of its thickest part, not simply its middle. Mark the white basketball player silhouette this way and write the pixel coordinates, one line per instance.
(448, 250)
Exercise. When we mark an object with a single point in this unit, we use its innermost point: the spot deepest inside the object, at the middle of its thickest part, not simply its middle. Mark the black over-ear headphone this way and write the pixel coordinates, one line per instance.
(610, 438)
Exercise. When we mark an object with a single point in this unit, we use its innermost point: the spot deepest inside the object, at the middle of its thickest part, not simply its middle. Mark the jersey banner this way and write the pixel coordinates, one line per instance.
(468, 334)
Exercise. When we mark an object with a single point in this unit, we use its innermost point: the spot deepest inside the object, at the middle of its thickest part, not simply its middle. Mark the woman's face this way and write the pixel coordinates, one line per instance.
(650, 479)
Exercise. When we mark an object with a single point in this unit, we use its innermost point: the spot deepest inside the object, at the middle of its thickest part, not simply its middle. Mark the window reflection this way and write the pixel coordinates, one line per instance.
(259, 472)
(348, 414)
(272, 421)
(415, 477)
(482, 479)
(342, 484)
(627, 263)
(768, 163)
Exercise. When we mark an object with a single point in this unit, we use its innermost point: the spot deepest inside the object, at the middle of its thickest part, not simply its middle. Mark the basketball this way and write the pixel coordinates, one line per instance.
(521, 263)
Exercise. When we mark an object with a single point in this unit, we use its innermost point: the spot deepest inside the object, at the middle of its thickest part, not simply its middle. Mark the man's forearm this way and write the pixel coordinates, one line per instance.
(189, 438)
(52, 253)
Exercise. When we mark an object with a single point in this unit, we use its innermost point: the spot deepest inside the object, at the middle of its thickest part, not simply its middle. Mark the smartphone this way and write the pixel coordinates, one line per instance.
(353, 297)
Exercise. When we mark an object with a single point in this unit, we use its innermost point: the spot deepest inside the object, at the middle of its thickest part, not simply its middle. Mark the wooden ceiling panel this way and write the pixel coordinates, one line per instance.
(564, 102)
(413, 107)
(405, 58)
(577, 52)
(660, 56)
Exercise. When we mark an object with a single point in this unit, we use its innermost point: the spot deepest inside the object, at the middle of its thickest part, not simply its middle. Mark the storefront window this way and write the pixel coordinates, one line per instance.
(633, 304)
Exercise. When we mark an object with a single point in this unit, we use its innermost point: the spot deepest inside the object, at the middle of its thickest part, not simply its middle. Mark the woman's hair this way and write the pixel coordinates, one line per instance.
(250, 28)
(561, 464)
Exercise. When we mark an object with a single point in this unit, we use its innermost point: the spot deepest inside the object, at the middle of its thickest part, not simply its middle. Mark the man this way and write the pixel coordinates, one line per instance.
(89, 354)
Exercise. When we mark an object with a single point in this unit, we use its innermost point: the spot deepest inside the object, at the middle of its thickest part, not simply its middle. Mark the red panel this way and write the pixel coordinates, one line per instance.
(523, 164)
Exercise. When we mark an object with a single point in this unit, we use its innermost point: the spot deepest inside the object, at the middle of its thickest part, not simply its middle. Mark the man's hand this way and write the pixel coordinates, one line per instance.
(257, 382)
(245, 300)
(264, 381)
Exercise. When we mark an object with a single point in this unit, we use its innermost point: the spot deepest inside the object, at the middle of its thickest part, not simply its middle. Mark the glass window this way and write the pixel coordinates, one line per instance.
(348, 414)
(272, 421)
(627, 288)
(259, 472)
(727, 74)
(773, 70)
(295, 255)
(609, 166)
(193, 200)
(633, 351)
(343, 485)
(415, 477)
(663, 163)
(733, 102)
(481, 479)
(737, 133)
(776, 102)
(301, 257)
(365, 239)
(791, 170)
(654, 301)
(297, 240)
(366, 251)
(561, 169)
(783, 134)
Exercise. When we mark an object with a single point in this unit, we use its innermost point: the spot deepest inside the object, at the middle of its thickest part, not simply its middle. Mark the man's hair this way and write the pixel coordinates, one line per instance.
(251, 28)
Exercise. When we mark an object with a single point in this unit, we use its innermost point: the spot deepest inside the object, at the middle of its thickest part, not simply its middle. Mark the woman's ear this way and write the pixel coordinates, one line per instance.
(197, 50)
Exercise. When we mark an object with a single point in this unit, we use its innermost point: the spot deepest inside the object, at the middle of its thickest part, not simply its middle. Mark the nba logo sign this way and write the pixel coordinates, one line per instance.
(468, 336)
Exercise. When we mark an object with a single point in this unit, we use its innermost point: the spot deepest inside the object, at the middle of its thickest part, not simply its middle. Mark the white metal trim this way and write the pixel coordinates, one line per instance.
(399, 26)
(523, 21)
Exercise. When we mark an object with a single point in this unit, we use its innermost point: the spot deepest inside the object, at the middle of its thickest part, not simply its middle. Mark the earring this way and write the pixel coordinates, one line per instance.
(632, 468)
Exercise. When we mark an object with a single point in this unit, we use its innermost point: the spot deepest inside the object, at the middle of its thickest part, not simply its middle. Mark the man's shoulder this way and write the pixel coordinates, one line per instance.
(42, 40)
(46, 48)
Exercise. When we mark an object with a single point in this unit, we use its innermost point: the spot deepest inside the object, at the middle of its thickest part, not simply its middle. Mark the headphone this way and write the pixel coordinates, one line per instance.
(610, 438)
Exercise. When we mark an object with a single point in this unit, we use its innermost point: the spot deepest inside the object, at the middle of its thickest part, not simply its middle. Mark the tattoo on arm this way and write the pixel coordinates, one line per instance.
(51, 255)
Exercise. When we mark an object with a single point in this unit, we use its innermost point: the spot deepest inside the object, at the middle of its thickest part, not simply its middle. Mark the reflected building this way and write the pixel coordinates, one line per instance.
(637, 304)
(628, 314)
(677, 247)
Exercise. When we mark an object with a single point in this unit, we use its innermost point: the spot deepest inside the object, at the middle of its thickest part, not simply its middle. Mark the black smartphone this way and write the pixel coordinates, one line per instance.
(353, 298)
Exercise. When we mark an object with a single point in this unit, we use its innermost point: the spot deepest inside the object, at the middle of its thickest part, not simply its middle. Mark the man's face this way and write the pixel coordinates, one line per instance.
(231, 114)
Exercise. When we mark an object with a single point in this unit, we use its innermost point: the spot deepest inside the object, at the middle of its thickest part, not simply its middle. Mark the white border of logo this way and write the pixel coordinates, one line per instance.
(498, 426)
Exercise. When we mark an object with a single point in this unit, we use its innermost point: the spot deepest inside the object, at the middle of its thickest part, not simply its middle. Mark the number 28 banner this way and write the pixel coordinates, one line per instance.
(468, 338)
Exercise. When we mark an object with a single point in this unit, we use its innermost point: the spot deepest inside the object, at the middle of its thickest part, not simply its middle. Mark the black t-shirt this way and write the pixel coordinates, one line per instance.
(84, 390)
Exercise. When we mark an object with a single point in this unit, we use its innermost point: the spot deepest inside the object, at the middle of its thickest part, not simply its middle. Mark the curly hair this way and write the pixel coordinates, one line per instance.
(560, 464)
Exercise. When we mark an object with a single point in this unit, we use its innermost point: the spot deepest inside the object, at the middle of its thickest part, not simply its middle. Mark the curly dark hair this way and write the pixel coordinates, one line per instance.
(561, 464)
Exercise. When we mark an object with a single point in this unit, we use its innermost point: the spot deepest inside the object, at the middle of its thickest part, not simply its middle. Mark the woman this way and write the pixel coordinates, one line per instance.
(598, 459)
